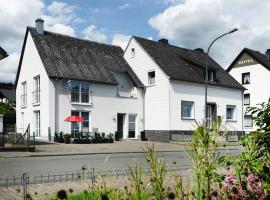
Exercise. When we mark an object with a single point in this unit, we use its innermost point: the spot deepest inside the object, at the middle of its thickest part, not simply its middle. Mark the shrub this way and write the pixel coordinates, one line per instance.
(62, 194)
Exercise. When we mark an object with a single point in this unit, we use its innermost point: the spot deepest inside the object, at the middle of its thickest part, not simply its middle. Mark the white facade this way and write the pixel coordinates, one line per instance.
(258, 88)
(163, 99)
(106, 102)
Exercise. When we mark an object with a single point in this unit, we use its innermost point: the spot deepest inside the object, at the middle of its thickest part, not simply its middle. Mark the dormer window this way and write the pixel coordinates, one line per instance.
(246, 78)
(211, 76)
(151, 78)
(132, 53)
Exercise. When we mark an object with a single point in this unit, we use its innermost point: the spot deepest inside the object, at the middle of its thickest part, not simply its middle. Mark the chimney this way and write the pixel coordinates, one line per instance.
(163, 41)
(267, 53)
(199, 49)
(40, 26)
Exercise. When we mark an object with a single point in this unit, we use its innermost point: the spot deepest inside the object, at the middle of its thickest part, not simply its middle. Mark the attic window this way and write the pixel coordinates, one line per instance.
(246, 78)
(151, 78)
(211, 76)
(132, 53)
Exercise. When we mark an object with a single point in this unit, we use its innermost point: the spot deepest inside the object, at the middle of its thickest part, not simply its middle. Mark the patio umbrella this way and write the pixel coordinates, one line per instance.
(74, 118)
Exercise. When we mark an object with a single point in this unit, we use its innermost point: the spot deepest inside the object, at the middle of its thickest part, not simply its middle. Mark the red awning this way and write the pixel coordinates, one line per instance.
(74, 119)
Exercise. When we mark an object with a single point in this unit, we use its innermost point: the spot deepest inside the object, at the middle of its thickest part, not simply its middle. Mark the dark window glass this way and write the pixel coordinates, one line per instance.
(246, 78)
(246, 99)
(151, 77)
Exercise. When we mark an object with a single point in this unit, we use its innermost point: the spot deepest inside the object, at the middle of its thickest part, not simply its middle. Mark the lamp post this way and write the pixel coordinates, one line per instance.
(206, 70)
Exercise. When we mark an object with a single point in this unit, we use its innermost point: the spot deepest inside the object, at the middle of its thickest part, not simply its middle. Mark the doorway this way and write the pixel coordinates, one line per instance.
(120, 125)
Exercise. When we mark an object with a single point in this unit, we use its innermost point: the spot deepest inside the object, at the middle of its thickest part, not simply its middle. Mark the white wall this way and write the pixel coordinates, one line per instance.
(31, 67)
(186, 91)
(156, 97)
(259, 87)
(103, 110)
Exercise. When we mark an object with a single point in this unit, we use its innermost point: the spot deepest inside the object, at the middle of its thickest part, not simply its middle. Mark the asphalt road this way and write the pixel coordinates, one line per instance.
(12, 167)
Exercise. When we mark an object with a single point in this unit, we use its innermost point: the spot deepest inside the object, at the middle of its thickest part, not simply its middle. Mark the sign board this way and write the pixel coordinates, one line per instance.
(245, 60)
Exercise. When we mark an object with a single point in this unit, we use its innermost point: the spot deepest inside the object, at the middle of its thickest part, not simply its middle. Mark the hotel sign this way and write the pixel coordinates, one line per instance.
(245, 60)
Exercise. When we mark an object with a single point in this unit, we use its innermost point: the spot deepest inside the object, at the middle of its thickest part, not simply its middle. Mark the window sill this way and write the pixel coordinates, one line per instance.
(231, 120)
(187, 118)
(248, 127)
(36, 104)
(23, 106)
(151, 85)
(246, 104)
(127, 97)
(81, 104)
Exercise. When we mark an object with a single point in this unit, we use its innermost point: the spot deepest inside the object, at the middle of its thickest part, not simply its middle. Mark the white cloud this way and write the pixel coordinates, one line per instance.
(120, 40)
(124, 6)
(92, 33)
(63, 29)
(195, 23)
(9, 67)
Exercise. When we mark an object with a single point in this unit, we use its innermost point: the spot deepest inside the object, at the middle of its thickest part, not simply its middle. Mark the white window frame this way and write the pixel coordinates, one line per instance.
(80, 93)
(234, 113)
(24, 94)
(36, 90)
(80, 125)
(132, 53)
(247, 94)
(192, 111)
(132, 122)
(243, 78)
(37, 123)
(251, 126)
(150, 83)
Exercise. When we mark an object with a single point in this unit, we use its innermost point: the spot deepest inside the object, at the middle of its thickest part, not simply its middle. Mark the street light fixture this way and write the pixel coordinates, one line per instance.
(206, 70)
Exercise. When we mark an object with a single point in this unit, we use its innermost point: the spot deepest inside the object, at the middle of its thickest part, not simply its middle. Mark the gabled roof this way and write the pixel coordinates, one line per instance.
(258, 56)
(185, 64)
(3, 53)
(78, 59)
(9, 94)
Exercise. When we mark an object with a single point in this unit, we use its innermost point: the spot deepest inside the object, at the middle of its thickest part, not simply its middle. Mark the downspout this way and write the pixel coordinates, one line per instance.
(242, 112)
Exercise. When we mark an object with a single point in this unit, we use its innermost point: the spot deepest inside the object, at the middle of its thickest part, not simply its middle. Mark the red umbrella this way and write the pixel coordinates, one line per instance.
(74, 118)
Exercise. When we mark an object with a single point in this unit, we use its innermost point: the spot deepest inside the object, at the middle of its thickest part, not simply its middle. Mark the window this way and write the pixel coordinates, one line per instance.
(230, 112)
(131, 125)
(23, 94)
(80, 92)
(37, 123)
(211, 76)
(80, 127)
(151, 78)
(36, 90)
(248, 122)
(246, 99)
(132, 53)
(187, 109)
(246, 78)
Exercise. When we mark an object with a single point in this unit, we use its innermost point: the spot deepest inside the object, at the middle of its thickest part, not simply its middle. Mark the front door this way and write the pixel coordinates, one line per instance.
(211, 111)
(120, 125)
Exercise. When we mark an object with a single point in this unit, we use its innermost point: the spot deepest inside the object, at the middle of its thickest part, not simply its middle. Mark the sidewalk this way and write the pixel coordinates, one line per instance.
(88, 149)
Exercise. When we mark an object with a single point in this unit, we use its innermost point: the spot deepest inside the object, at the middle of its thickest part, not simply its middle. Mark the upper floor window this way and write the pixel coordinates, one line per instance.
(36, 90)
(246, 78)
(151, 78)
(23, 94)
(231, 112)
(246, 99)
(79, 92)
(187, 109)
(132, 53)
(211, 76)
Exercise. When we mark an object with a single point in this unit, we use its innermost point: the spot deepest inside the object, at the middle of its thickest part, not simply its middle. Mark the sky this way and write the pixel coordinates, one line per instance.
(185, 23)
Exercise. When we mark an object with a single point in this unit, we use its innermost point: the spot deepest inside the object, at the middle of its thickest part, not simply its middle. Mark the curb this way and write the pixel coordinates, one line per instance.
(99, 153)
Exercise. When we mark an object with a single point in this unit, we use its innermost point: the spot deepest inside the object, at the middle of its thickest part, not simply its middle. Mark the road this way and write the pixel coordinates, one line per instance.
(10, 167)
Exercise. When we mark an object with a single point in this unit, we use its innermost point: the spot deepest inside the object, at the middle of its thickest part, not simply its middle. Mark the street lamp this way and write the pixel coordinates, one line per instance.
(206, 70)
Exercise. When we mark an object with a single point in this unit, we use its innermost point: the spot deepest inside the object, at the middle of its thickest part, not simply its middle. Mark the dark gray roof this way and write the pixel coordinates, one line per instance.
(258, 56)
(3, 53)
(185, 64)
(9, 94)
(78, 59)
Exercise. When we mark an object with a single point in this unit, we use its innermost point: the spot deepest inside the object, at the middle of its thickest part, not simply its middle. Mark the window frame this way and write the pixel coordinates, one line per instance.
(251, 121)
(213, 78)
(243, 77)
(234, 113)
(23, 94)
(36, 90)
(37, 124)
(246, 94)
(192, 111)
(79, 92)
(132, 53)
(132, 122)
(151, 78)
(79, 126)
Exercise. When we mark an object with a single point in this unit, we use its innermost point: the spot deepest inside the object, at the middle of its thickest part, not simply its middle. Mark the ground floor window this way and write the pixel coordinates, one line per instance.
(187, 109)
(77, 127)
(230, 112)
(131, 125)
(37, 123)
(248, 122)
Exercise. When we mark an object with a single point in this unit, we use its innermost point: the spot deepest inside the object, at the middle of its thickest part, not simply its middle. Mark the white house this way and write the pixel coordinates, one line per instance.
(59, 76)
(252, 69)
(174, 97)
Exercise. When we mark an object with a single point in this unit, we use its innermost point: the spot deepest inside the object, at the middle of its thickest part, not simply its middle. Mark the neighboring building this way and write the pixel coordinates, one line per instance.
(3, 53)
(59, 76)
(252, 69)
(7, 95)
(174, 98)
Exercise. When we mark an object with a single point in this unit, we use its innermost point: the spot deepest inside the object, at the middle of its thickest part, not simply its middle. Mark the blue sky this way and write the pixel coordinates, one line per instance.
(185, 23)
